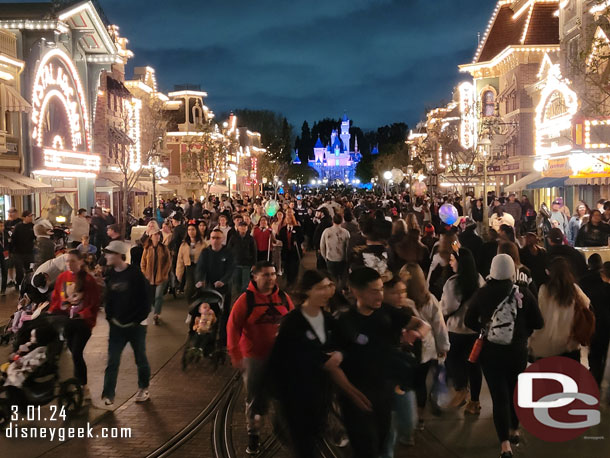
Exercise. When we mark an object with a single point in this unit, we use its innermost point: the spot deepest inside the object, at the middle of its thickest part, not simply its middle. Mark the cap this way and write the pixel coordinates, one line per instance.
(502, 267)
(40, 282)
(116, 247)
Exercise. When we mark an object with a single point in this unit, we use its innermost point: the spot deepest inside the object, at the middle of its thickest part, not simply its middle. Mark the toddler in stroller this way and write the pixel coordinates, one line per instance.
(202, 340)
(31, 377)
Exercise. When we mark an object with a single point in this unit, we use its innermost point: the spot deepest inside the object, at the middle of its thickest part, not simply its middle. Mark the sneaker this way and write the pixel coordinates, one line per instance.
(459, 398)
(420, 424)
(253, 445)
(142, 395)
(107, 401)
(473, 408)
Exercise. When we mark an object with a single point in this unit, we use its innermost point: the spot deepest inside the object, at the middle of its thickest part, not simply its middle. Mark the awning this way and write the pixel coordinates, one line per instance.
(12, 188)
(521, 184)
(120, 136)
(148, 187)
(34, 185)
(11, 100)
(548, 182)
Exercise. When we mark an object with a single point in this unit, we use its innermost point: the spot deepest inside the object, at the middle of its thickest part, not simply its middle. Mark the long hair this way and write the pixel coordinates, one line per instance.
(81, 275)
(411, 222)
(511, 249)
(445, 245)
(417, 287)
(467, 275)
(198, 237)
(560, 285)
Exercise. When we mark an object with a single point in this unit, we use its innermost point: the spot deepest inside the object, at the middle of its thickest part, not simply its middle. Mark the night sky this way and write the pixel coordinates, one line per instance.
(383, 61)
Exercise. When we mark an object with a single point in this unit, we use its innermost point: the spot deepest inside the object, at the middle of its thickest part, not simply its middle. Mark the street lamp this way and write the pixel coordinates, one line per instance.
(410, 173)
(485, 150)
(387, 176)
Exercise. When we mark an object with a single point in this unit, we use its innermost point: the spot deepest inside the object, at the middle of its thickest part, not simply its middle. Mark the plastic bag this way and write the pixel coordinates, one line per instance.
(439, 394)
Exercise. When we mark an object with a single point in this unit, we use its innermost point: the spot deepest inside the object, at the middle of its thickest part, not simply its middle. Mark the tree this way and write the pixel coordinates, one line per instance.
(133, 154)
(206, 154)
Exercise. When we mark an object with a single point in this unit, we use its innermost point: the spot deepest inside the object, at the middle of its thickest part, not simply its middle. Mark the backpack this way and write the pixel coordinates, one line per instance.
(583, 325)
(502, 325)
(251, 303)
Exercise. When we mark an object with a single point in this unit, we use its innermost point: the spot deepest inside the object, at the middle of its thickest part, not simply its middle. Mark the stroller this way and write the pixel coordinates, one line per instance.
(202, 341)
(27, 310)
(40, 381)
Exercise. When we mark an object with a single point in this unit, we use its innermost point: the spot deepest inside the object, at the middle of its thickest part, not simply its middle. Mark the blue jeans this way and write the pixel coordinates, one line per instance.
(404, 416)
(156, 295)
(241, 279)
(117, 339)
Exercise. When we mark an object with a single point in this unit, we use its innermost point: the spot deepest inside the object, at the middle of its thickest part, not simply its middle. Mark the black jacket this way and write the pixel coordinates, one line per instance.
(325, 223)
(576, 261)
(296, 239)
(127, 297)
(590, 235)
(214, 266)
(484, 302)
(23, 238)
(243, 249)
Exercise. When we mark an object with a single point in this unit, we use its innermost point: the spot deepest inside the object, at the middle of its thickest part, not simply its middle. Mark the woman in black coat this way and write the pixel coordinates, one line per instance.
(291, 236)
(300, 366)
(502, 363)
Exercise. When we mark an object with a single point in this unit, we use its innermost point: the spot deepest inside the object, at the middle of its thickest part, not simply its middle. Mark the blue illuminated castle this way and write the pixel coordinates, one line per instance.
(336, 161)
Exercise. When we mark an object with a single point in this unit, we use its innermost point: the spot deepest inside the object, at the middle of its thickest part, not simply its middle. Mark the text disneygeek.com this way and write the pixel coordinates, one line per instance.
(62, 433)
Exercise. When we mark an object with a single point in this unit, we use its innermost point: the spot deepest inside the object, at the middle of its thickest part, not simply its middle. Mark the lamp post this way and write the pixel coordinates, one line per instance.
(387, 176)
(410, 173)
(485, 149)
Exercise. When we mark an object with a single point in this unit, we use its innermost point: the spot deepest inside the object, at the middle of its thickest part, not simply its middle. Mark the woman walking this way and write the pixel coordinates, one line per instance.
(558, 298)
(76, 295)
(435, 344)
(291, 236)
(188, 255)
(457, 293)
(504, 353)
(156, 264)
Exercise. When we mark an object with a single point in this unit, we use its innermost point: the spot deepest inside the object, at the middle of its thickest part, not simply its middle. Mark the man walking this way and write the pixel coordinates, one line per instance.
(127, 308)
(333, 248)
(22, 244)
(215, 269)
(243, 248)
(251, 332)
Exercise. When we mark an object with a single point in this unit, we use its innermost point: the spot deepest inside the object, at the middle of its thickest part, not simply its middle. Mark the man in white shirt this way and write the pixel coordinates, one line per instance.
(333, 248)
(80, 227)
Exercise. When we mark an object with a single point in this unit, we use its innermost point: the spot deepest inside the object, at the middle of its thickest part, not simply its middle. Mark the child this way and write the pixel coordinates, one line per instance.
(205, 319)
(85, 247)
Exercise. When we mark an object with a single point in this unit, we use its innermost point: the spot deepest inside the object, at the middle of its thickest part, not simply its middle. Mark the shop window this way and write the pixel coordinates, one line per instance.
(489, 103)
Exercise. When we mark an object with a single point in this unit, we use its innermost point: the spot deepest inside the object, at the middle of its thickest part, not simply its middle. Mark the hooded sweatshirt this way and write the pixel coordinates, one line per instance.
(253, 336)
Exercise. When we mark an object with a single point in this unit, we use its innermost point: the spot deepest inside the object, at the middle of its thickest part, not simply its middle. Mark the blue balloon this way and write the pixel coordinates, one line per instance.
(448, 214)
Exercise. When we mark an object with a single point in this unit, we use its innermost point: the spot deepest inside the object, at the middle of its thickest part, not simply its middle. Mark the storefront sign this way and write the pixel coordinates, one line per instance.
(60, 121)
(468, 118)
(557, 168)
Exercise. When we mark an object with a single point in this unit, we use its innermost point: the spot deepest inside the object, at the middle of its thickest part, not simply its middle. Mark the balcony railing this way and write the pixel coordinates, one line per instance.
(8, 43)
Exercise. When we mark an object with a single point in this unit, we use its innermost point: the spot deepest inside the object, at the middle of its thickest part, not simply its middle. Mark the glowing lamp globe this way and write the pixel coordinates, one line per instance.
(419, 188)
(448, 214)
(271, 208)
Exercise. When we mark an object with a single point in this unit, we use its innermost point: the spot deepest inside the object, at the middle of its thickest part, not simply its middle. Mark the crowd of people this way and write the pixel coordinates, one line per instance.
(350, 347)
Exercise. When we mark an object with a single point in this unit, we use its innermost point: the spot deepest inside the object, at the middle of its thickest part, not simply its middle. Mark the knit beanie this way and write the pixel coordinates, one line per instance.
(502, 268)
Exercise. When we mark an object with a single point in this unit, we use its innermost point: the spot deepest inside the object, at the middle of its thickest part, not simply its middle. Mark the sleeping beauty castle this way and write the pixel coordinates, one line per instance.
(335, 161)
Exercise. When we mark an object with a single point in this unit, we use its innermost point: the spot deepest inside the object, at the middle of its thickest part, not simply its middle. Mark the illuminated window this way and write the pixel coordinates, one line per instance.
(489, 103)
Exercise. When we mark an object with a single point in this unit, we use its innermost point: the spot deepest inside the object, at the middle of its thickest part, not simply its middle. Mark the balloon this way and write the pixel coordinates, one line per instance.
(448, 214)
(397, 175)
(271, 208)
(419, 188)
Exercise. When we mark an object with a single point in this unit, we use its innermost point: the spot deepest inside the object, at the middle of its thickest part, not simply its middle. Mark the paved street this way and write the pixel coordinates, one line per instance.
(177, 397)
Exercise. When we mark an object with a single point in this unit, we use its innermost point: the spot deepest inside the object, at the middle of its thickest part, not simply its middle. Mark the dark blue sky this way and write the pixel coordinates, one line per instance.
(383, 61)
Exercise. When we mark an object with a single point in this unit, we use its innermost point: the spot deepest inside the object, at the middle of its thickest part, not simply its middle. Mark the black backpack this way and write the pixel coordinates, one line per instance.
(250, 302)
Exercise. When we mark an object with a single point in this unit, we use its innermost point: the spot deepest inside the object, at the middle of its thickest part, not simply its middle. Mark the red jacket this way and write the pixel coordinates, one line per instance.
(261, 237)
(91, 297)
(253, 336)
